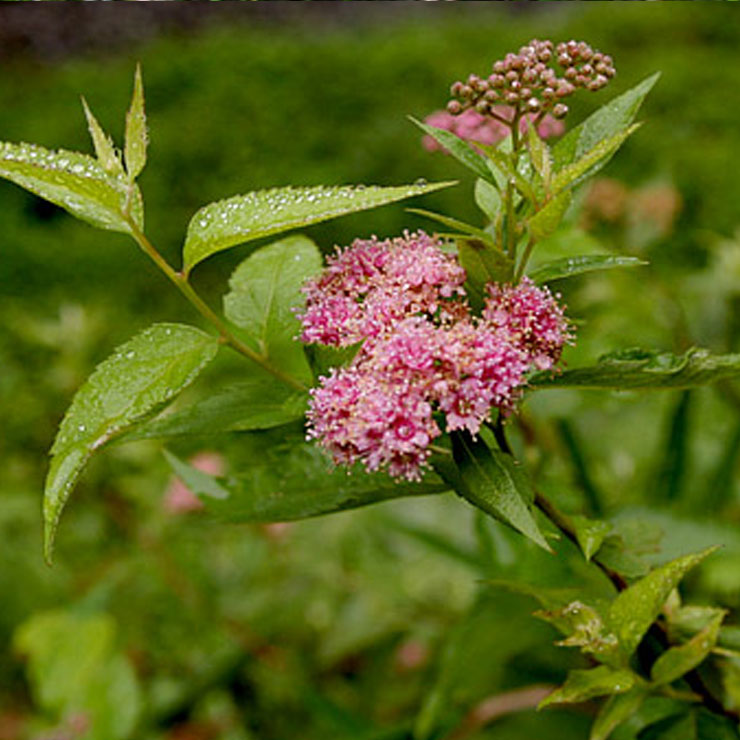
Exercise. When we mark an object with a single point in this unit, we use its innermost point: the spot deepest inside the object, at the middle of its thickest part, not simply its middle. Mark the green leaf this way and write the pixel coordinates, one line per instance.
(294, 481)
(243, 218)
(265, 291)
(482, 265)
(681, 659)
(104, 149)
(608, 120)
(539, 153)
(74, 668)
(488, 199)
(76, 182)
(590, 534)
(460, 149)
(617, 709)
(258, 402)
(500, 159)
(544, 223)
(645, 370)
(591, 161)
(142, 376)
(454, 223)
(570, 266)
(636, 608)
(582, 685)
(136, 134)
(493, 482)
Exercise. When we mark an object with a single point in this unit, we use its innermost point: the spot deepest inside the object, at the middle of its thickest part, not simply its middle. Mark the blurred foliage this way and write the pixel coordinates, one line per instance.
(164, 625)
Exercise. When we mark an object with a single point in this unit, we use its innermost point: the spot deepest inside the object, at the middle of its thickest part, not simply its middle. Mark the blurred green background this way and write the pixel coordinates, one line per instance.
(156, 624)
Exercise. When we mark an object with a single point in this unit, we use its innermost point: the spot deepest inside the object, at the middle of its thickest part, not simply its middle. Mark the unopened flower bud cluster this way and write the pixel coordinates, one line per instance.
(536, 80)
(425, 364)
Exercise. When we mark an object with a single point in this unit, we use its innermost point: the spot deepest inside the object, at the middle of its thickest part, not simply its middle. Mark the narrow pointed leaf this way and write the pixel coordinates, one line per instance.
(104, 149)
(635, 609)
(493, 482)
(136, 381)
(460, 149)
(570, 266)
(617, 709)
(582, 685)
(483, 265)
(136, 133)
(454, 223)
(681, 659)
(76, 182)
(265, 291)
(258, 402)
(645, 370)
(240, 219)
(591, 161)
(488, 199)
(295, 482)
(608, 120)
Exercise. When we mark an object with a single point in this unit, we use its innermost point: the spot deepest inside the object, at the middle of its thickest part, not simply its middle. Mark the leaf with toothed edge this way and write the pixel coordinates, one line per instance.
(142, 376)
(74, 181)
(240, 219)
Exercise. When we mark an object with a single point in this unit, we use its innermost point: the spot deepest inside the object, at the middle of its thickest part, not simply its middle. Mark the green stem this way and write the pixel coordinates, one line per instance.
(180, 281)
(509, 196)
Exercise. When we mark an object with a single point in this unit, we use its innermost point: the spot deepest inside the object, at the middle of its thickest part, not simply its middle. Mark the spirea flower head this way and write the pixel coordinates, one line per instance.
(425, 365)
(532, 317)
(372, 284)
(475, 127)
(535, 80)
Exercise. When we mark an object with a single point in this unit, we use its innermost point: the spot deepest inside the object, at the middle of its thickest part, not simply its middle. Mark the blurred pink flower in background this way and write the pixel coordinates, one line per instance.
(472, 126)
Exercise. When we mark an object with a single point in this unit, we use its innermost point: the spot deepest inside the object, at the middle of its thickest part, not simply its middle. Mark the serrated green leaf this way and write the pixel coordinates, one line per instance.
(645, 370)
(243, 218)
(570, 266)
(258, 402)
(681, 659)
(488, 199)
(590, 534)
(76, 182)
(136, 134)
(460, 149)
(265, 291)
(142, 376)
(104, 149)
(591, 161)
(493, 482)
(546, 221)
(582, 685)
(636, 608)
(617, 709)
(294, 481)
(608, 120)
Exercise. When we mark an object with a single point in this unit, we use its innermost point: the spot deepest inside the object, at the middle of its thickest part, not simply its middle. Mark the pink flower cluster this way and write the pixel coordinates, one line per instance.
(476, 127)
(423, 357)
